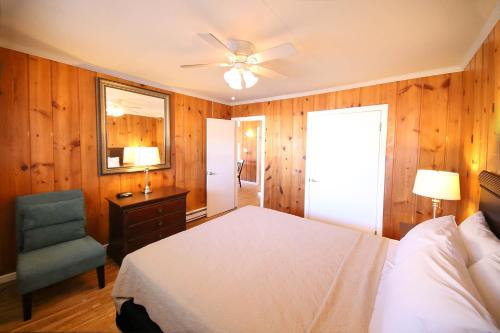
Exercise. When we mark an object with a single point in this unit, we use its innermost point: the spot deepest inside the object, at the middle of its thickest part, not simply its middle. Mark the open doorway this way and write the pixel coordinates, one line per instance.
(250, 145)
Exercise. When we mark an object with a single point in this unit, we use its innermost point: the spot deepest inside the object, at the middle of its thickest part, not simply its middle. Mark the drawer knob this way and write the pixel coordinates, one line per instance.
(160, 223)
(160, 210)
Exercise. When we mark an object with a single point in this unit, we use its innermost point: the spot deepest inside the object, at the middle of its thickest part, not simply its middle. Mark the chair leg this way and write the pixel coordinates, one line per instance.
(100, 276)
(27, 302)
(239, 180)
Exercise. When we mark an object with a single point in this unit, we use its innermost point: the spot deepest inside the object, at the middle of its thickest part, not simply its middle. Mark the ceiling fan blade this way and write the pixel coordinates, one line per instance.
(214, 41)
(280, 51)
(215, 64)
(263, 71)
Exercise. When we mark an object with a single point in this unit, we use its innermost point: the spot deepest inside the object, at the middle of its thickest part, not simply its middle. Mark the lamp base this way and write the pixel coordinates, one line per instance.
(436, 204)
(147, 188)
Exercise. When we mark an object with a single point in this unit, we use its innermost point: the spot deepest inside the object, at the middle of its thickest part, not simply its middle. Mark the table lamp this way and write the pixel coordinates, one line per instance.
(129, 155)
(146, 156)
(437, 185)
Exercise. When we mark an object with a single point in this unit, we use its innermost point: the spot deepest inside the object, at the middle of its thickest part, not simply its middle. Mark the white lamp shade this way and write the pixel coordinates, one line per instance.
(145, 156)
(250, 79)
(129, 155)
(437, 184)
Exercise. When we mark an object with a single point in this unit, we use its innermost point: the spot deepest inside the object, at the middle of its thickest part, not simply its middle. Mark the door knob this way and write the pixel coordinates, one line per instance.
(210, 173)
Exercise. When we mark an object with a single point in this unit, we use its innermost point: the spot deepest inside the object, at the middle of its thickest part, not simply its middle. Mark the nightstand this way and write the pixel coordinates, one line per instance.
(142, 219)
(404, 228)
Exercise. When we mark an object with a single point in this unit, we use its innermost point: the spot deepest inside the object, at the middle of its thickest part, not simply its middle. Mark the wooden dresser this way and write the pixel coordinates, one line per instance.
(142, 219)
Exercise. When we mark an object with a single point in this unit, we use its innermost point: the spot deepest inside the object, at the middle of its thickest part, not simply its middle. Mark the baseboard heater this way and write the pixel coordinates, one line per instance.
(196, 214)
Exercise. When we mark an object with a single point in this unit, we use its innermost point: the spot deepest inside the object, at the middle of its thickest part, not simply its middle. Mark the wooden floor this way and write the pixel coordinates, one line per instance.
(248, 195)
(74, 305)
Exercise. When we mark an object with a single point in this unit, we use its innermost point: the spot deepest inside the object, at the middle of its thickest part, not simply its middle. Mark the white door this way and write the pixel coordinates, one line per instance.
(221, 165)
(346, 166)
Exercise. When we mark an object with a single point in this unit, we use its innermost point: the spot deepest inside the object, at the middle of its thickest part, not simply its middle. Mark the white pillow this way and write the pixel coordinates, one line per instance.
(429, 233)
(486, 275)
(477, 237)
(432, 291)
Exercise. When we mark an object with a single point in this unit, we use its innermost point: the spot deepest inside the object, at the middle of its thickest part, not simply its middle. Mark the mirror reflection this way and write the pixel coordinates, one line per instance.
(135, 129)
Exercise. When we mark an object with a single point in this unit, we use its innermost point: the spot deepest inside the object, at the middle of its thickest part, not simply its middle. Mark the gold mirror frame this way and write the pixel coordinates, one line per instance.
(101, 127)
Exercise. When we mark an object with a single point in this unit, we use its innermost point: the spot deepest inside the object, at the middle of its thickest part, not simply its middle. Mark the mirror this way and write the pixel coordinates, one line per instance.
(134, 128)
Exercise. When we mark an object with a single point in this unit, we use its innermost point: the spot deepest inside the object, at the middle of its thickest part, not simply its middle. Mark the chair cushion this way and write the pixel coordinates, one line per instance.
(40, 268)
(46, 224)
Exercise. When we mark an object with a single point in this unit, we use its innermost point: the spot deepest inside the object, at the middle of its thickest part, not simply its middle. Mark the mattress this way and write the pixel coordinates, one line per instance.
(259, 270)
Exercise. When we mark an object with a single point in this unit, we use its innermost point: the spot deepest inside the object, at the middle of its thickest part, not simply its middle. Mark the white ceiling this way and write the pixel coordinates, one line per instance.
(339, 42)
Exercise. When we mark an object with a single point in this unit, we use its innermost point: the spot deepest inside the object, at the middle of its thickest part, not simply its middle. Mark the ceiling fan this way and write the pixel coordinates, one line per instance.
(244, 62)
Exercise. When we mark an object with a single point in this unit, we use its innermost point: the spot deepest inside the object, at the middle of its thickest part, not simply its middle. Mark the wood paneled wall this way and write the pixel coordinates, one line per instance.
(423, 132)
(480, 132)
(48, 141)
(444, 122)
(247, 138)
(132, 130)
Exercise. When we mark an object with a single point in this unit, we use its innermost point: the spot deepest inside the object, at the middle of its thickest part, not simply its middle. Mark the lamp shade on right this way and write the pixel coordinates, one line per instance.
(435, 184)
(146, 156)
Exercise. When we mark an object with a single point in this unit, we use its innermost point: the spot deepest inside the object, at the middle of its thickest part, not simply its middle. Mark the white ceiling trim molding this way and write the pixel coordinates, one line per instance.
(483, 34)
(408, 76)
(68, 60)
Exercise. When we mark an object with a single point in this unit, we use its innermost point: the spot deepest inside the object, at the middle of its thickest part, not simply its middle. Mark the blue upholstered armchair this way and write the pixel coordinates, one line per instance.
(52, 242)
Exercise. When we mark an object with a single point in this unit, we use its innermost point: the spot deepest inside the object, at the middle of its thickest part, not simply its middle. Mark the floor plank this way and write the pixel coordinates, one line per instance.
(248, 195)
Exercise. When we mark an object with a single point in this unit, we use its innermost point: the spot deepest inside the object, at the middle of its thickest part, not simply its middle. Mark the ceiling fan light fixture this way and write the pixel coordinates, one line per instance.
(233, 79)
(249, 78)
(241, 57)
(114, 110)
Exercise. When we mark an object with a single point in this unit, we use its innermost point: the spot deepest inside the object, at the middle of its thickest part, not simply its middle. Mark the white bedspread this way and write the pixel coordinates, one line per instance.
(256, 270)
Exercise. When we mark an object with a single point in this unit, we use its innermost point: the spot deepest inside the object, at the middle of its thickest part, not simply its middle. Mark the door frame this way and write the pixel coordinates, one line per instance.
(384, 109)
(261, 154)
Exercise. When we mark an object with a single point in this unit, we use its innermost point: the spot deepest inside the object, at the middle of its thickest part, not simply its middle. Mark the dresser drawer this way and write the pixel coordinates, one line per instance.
(141, 219)
(140, 228)
(143, 240)
(153, 211)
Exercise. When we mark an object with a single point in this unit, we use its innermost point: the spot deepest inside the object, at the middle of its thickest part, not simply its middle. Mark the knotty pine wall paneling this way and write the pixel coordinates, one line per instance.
(66, 126)
(88, 147)
(48, 141)
(41, 129)
(446, 122)
(120, 128)
(250, 167)
(480, 130)
(15, 159)
(423, 117)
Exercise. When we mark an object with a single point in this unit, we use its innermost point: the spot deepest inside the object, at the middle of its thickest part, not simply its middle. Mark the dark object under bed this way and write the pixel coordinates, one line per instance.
(134, 318)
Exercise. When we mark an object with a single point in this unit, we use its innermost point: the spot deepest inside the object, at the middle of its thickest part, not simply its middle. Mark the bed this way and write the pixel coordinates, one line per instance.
(259, 270)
